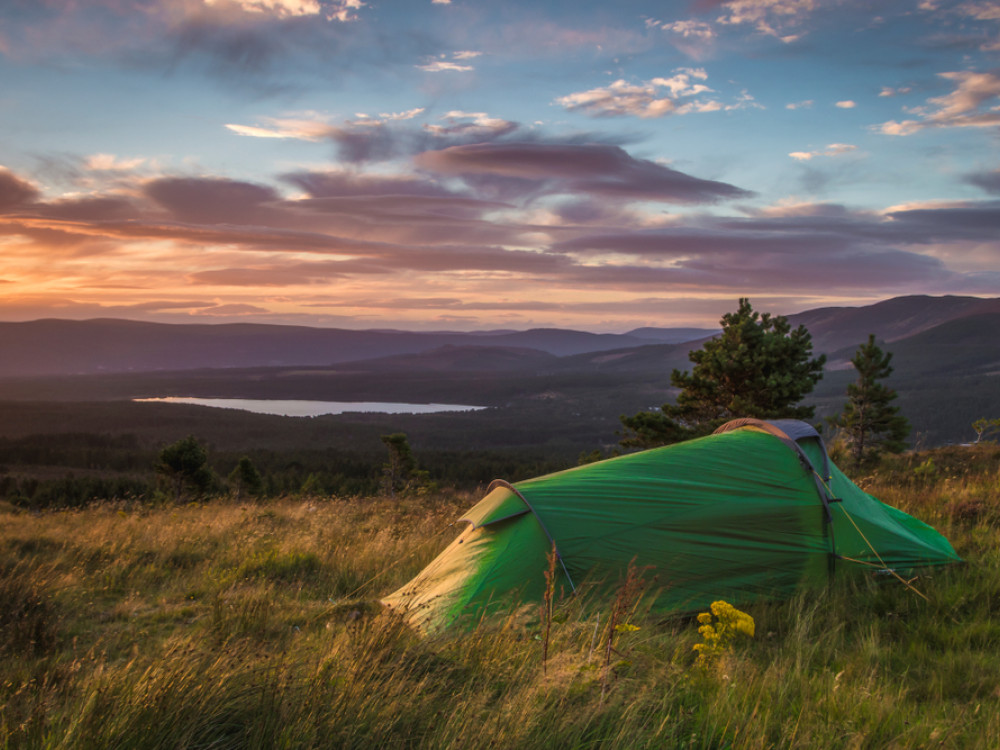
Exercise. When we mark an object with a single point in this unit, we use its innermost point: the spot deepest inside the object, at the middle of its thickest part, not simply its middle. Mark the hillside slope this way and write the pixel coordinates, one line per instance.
(834, 328)
(66, 347)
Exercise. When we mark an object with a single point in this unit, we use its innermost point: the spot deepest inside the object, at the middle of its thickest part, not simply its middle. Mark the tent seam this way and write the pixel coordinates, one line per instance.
(504, 483)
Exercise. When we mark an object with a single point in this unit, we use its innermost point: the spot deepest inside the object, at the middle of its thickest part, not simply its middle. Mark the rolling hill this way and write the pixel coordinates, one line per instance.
(64, 347)
(835, 328)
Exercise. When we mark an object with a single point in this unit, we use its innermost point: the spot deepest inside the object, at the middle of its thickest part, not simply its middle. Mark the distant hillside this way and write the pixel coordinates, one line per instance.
(672, 335)
(966, 347)
(65, 347)
(834, 328)
(652, 358)
(105, 346)
(453, 358)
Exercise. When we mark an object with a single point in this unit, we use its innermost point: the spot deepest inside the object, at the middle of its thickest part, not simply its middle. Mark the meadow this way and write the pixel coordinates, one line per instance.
(257, 624)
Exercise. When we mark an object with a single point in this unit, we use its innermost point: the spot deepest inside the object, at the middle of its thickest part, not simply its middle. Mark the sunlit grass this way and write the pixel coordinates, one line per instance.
(257, 625)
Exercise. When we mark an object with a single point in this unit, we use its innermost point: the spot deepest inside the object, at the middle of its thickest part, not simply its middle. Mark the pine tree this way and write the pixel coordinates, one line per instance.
(757, 367)
(401, 474)
(871, 424)
(185, 465)
(246, 479)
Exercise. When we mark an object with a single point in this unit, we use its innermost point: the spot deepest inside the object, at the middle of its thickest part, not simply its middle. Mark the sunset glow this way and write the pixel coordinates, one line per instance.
(435, 164)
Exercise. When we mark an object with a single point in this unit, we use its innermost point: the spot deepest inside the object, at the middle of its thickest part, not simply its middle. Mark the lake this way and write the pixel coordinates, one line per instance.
(299, 408)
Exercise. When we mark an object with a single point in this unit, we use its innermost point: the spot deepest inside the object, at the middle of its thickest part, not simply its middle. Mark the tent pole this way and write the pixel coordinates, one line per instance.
(516, 491)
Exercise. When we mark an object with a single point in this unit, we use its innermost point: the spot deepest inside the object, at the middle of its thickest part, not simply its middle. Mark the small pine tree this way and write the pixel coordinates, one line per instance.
(871, 424)
(401, 474)
(246, 479)
(184, 464)
(757, 367)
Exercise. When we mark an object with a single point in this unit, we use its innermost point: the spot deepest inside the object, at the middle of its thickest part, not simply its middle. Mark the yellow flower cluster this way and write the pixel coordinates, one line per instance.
(730, 624)
(626, 627)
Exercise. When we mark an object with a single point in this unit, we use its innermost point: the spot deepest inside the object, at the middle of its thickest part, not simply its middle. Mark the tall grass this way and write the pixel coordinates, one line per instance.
(257, 625)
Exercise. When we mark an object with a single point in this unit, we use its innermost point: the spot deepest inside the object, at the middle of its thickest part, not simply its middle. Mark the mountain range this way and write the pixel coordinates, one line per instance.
(68, 347)
(926, 333)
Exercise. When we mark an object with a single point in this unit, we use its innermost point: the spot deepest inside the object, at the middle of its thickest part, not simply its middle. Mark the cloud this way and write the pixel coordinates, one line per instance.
(343, 183)
(988, 181)
(579, 211)
(973, 90)
(227, 310)
(833, 150)
(268, 52)
(334, 10)
(387, 198)
(343, 10)
(340, 207)
(443, 64)
(282, 274)
(969, 221)
(852, 273)
(87, 237)
(692, 37)
(92, 208)
(370, 139)
(408, 114)
(14, 191)
(161, 305)
(210, 200)
(112, 163)
(687, 243)
(478, 125)
(372, 142)
(244, 53)
(974, 103)
(906, 127)
(311, 127)
(846, 104)
(889, 91)
(278, 8)
(595, 170)
(687, 29)
(781, 19)
(678, 95)
(984, 10)
(439, 66)
(805, 104)
(805, 246)
(577, 224)
(227, 38)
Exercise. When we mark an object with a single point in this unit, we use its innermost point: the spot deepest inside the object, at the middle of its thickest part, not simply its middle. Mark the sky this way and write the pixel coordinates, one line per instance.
(474, 164)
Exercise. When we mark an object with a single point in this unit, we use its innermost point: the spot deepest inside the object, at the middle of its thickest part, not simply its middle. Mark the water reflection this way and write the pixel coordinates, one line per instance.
(300, 408)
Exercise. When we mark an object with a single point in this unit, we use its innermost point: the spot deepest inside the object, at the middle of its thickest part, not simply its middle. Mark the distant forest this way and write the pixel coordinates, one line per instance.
(71, 453)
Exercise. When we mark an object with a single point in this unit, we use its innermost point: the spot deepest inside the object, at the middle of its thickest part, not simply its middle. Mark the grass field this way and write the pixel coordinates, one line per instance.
(231, 625)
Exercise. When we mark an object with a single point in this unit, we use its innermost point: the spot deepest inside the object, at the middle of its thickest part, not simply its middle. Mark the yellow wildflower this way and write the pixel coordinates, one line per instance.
(730, 624)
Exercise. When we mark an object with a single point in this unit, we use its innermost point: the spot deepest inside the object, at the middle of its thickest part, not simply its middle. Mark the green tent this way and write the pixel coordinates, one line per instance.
(756, 510)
